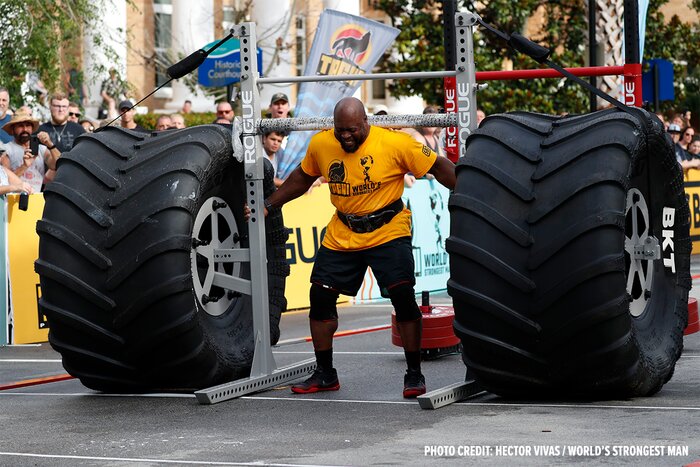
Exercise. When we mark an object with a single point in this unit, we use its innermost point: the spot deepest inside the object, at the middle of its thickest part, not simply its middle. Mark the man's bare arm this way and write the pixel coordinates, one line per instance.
(444, 171)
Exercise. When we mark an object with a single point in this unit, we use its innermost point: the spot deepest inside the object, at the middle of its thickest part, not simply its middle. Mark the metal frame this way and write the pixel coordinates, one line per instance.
(264, 373)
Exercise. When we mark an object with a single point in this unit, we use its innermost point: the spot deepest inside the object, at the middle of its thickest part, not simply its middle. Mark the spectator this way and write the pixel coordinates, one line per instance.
(272, 141)
(429, 136)
(687, 136)
(4, 114)
(279, 106)
(127, 120)
(682, 156)
(112, 90)
(480, 115)
(381, 110)
(164, 123)
(29, 164)
(9, 181)
(74, 112)
(186, 107)
(224, 110)
(62, 131)
(178, 121)
(694, 149)
(87, 125)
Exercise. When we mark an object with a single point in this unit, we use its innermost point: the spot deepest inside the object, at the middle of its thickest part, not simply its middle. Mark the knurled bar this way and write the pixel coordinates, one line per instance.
(266, 125)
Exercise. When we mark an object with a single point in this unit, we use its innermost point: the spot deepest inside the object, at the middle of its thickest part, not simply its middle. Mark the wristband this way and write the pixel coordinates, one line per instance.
(50, 148)
(268, 205)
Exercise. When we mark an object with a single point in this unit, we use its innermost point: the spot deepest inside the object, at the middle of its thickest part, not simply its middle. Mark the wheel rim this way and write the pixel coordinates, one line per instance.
(214, 228)
(639, 272)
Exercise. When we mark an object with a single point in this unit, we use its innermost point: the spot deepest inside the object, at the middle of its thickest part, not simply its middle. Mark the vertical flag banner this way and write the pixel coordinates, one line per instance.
(344, 44)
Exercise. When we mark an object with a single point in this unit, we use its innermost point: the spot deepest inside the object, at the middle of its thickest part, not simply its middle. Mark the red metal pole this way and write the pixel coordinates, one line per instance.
(549, 73)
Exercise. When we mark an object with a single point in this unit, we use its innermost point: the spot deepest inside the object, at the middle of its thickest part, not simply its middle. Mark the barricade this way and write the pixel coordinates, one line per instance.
(306, 217)
(692, 191)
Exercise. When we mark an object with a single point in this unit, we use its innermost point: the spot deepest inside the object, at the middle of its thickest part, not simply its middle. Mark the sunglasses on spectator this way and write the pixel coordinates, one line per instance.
(224, 111)
(687, 133)
(73, 114)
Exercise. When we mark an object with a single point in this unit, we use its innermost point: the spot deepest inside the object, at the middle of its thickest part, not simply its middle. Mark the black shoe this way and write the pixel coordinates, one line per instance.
(320, 380)
(413, 384)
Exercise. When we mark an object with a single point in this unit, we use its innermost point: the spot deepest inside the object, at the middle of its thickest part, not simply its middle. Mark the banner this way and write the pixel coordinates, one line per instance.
(344, 44)
(25, 324)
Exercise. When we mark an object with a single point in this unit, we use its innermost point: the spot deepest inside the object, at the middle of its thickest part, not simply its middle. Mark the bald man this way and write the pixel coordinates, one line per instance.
(364, 166)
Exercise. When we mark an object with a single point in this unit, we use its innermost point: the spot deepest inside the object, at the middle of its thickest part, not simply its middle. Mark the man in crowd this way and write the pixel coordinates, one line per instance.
(279, 106)
(178, 121)
(224, 110)
(364, 167)
(272, 142)
(127, 120)
(186, 107)
(4, 114)
(112, 89)
(28, 160)
(62, 131)
(74, 112)
(163, 123)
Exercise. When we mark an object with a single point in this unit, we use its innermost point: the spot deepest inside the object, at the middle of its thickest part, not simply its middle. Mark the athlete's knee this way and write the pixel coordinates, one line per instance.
(323, 303)
(403, 298)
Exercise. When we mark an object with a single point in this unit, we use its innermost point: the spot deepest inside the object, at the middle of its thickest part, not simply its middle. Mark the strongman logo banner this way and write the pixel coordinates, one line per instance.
(344, 45)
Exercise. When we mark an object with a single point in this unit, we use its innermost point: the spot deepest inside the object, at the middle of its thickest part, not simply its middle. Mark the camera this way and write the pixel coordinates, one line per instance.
(34, 145)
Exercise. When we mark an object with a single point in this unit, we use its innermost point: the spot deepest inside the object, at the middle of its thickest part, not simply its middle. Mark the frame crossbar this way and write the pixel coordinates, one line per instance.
(386, 121)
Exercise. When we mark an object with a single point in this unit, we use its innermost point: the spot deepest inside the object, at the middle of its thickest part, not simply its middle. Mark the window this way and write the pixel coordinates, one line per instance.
(162, 41)
(300, 45)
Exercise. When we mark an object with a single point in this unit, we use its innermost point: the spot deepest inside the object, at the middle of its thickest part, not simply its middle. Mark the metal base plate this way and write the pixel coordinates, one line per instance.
(449, 394)
(245, 386)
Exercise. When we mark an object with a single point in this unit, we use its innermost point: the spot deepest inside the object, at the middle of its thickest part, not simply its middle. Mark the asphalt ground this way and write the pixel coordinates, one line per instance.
(367, 422)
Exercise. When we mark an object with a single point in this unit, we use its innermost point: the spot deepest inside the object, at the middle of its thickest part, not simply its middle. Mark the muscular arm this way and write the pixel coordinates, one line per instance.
(296, 185)
(444, 171)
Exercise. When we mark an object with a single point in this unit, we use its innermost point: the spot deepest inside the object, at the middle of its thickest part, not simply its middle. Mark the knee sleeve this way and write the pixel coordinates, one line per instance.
(322, 302)
(404, 300)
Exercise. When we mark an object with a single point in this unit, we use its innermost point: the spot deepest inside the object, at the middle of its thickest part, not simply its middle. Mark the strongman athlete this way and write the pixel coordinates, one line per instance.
(364, 166)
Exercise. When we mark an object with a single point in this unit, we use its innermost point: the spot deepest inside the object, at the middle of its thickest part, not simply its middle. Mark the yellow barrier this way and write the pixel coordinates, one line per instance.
(692, 192)
(306, 217)
(23, 249)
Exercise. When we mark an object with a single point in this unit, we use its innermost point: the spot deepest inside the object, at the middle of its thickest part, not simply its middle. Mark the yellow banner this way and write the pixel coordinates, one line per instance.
(23, 250)
(306, 217)
(692, 192)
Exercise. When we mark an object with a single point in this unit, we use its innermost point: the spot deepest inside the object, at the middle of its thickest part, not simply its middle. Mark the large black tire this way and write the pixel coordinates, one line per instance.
(123, 264)
(550, 298)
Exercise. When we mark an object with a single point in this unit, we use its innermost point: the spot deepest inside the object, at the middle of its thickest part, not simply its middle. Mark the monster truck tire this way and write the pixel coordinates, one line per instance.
(121, 269)
(553, 295)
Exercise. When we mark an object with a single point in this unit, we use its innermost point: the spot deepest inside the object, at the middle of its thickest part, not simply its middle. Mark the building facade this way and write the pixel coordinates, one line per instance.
(149, 35)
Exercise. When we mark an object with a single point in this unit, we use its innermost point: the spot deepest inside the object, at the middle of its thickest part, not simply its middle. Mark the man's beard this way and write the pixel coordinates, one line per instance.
(23, 137)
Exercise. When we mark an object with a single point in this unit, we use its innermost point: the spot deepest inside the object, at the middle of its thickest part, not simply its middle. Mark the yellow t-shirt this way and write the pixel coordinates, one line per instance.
(365, 181)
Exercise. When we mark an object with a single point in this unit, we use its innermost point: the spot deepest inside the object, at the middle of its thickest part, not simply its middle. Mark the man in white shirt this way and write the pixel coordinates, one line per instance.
(29, 161)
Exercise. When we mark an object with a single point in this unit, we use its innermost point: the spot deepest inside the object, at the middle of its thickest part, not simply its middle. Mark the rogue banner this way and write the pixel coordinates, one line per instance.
(344, 44)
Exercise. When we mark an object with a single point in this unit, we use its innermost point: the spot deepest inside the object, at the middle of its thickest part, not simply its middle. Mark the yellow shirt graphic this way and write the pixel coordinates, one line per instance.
(365, 181)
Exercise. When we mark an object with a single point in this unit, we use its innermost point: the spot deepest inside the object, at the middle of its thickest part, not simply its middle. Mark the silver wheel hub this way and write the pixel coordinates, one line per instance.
(214, 229)
(641, 249)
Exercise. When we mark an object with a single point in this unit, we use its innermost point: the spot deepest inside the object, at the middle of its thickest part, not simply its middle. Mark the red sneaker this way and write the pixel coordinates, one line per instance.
(320, 380)
(413, 384)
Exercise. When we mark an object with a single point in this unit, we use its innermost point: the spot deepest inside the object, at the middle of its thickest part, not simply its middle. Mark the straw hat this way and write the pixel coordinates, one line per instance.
(20, 118)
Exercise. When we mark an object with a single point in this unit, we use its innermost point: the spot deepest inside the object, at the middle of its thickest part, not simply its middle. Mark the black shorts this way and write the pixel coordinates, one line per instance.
(392, 264)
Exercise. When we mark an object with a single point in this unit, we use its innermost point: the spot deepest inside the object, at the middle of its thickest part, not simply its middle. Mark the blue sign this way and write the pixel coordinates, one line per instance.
(223, 66)
(664, 74)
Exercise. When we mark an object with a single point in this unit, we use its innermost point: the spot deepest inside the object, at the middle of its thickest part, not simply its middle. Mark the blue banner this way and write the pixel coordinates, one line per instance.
(344, 44)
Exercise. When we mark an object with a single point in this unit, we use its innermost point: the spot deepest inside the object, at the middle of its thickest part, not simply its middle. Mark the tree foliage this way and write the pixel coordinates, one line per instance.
(419, 47)
(35, 34)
